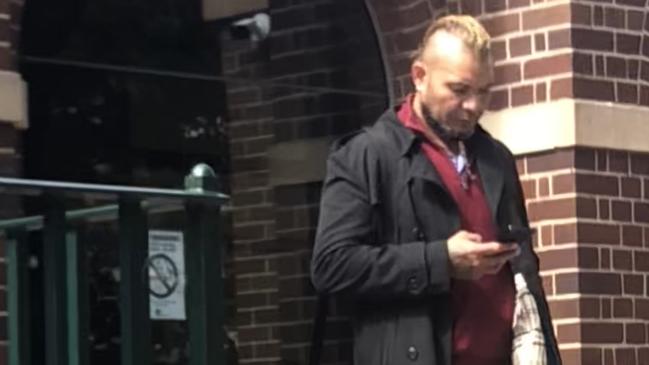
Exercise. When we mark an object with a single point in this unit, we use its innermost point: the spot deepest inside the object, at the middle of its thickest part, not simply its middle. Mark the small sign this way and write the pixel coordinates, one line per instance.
(166, 268)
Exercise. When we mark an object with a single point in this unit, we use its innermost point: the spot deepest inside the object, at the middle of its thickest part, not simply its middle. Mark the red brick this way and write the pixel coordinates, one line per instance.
(627, 43)
(618, 161)
(565, 233)
(565, 308)
(640, 164)
(622, 260)
(642, 309)
(634, 333)
(588, 257)
(558, 259)
(582, 63)
(586, 207)
(634, 20)
(522, 95)
(641, 260)
(614, 17)
(529, 188)
(594, 89)
(562, 184)
(495, 5)
(518, 3)
(541, 92)
(552, 209)
(580, 14)
(627, 93)
(625, 356)
(471, 7)
(549, 161)
(545, 17)
(592, 39)
(598, 233)
(539, 42)
(644, 96)
(602, 333)
(499, 99)
(561, 88)
(598, 15)
(632, 236)
(615, 67)
(622, 308)
(569, 333)
(502, 24)
(544, 187)
(599, 65)
(507, 73)
(547, 235)
(520, 46)
(604, 208)
(499, 50)
(638, 3)
(633, 284)
(548, 66)
(633, 68)
(597, 184)
(585, 158)
(561, 38)
(621, 210)
(643, 355)
(641, 212)
(606, 308)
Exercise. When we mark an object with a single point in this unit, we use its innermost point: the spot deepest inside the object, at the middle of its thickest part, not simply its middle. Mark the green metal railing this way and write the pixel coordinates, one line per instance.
(65, 275)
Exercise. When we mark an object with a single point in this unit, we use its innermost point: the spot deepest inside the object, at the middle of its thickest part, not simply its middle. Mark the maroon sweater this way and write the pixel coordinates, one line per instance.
(482, 309)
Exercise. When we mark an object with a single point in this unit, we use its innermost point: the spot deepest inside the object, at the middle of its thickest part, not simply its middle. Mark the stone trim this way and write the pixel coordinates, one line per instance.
(13, 99)
(570, 122)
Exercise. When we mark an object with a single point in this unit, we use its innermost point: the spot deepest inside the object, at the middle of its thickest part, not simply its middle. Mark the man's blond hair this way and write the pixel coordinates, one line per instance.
(466, 27)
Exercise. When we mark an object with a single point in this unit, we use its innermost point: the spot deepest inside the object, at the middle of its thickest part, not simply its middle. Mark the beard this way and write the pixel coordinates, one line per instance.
(463, 130)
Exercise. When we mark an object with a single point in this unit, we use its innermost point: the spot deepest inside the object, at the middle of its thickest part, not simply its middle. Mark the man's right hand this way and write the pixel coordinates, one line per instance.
(470, 258)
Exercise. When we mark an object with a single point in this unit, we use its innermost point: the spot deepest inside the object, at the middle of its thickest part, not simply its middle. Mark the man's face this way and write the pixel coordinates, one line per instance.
(452, 84)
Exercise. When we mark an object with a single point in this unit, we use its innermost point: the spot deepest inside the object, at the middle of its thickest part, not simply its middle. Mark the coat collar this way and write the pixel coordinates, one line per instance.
(488, 160)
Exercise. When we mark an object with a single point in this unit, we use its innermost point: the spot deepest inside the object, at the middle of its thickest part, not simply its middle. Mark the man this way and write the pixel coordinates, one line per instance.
(411, 212)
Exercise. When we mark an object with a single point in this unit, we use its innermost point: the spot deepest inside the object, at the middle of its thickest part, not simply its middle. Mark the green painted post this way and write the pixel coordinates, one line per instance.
(54, 266)
(18, 298)
(205, 307)
(134, 285)
(78, 306)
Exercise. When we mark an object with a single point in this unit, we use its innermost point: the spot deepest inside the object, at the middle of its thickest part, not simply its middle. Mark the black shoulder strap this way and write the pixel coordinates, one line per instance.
(319, 323)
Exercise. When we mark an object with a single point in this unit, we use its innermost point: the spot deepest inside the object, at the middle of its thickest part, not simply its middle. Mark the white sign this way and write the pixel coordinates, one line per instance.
(166, 267)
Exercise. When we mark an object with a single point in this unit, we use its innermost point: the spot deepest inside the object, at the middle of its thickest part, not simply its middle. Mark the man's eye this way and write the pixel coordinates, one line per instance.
(460, 90)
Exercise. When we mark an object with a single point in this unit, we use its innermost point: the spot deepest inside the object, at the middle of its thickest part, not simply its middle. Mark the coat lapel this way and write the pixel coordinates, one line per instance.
(491, 174)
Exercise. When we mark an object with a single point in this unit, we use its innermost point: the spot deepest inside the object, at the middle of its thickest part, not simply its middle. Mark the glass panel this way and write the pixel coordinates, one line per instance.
(137, 92)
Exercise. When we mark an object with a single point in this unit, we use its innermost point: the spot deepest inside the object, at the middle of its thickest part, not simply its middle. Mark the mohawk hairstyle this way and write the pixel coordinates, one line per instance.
(465, 27)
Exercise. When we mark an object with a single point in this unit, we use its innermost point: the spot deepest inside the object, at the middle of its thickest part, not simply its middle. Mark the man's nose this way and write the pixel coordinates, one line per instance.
(473, 103)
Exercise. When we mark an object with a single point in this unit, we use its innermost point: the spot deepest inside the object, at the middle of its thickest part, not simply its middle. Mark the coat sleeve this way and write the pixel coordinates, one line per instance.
(349, 256)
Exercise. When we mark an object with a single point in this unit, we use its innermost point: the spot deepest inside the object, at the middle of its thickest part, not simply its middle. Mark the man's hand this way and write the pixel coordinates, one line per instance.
(471, 258)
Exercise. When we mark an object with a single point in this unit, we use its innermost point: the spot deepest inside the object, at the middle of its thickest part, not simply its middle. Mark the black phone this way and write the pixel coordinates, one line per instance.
(516, 234)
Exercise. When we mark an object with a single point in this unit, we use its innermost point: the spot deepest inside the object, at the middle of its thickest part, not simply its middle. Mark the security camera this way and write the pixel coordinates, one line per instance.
(255, 28)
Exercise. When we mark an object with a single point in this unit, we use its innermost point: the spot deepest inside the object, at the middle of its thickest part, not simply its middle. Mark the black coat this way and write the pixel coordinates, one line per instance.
(384, 220)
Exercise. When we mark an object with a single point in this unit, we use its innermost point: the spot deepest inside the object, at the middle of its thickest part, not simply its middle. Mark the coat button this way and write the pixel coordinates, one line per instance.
(413, 284)
(417, 233)
(413, 354)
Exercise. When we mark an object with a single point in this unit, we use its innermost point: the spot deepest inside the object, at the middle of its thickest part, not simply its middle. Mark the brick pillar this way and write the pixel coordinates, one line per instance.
(13, 118)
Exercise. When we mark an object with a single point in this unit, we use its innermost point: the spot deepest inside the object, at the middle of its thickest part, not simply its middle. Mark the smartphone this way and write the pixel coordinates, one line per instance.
(516, 234)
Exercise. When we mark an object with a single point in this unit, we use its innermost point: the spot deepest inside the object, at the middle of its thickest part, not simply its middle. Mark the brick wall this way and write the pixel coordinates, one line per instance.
(544, 50)
(323, 45)
(591, 208)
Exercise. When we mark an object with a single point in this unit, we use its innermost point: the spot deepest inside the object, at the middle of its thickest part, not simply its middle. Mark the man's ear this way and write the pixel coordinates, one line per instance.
(418, 74)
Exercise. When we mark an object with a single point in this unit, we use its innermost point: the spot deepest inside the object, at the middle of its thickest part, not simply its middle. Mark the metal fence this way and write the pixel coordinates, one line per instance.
(65, 293)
